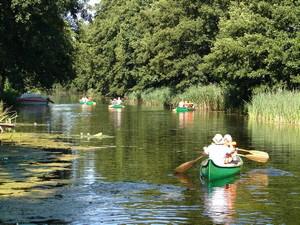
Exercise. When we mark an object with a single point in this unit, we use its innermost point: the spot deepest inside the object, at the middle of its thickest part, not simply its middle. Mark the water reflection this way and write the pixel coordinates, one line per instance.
(219, 202)
(276, 139)
(33, 113)
(86, 108)
(116, 116)
(128, 178)
(185, 119)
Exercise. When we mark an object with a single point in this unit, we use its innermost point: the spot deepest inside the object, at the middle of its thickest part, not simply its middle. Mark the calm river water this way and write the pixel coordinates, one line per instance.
(129, 178)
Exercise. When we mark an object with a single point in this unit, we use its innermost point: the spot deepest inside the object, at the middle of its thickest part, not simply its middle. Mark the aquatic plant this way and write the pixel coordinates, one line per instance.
(6, 115)
(152, 96)
(206, 98)
(210, 97)
(280, 106)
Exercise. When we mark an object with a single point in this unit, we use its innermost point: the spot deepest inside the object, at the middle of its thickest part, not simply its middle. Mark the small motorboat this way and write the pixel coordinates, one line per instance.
(34, 99)
(212, 172)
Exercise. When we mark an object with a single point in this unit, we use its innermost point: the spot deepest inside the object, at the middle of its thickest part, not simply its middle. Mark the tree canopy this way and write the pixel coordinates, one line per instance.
(138, 44)
(36, 43)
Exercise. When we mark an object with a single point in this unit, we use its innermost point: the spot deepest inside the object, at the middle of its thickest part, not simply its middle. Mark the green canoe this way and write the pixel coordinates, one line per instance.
(116, 106)
(212, 172)
(178, 109)
(88, 103)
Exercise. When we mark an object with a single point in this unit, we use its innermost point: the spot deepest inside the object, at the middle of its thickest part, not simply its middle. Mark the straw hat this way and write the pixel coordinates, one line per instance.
(218, 139)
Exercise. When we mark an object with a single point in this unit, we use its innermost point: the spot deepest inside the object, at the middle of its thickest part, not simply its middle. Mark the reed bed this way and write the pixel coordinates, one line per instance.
(280, 106)
(208, 98)
(153, 96)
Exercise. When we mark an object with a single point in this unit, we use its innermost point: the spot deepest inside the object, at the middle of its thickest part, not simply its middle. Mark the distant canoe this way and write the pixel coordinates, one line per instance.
(88, 103)
(116, 106)
(178, 109)
(211, 171)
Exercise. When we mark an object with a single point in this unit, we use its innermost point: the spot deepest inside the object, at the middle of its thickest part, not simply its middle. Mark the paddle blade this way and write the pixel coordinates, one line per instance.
(256, 157)
(184, 166)
(254, 152)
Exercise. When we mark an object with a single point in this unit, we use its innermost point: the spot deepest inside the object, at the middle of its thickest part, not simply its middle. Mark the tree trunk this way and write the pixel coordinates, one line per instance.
(2, 83)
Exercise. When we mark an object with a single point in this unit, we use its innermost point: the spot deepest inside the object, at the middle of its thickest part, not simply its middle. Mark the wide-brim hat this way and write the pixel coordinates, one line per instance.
(218, 139)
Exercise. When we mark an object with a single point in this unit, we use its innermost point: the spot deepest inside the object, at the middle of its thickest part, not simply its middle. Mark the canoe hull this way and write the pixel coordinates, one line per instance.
(211, 171)
(178, 109)
(88, 103)
(116, 106)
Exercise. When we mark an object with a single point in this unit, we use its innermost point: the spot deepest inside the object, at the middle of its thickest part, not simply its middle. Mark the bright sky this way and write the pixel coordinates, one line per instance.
(92, 2)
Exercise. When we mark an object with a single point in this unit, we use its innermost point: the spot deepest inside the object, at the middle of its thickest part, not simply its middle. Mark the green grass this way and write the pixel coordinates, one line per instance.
(280, 106)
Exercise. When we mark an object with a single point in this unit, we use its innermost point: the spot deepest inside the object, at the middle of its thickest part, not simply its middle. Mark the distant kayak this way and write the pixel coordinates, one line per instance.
(116, 106)
(88, 103)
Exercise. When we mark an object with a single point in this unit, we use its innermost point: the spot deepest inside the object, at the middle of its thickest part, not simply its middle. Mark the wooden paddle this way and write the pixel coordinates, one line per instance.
(253, 151)
(256, 157)
(185, 166)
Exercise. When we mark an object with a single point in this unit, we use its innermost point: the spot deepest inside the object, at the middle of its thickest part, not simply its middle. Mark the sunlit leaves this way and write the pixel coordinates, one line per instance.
(35, 42)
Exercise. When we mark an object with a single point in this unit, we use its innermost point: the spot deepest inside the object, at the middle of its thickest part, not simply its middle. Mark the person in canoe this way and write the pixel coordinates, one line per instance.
(181, 104)
(84, 99)
(230, 157)
(113, 101)
(217, 151)
(190, 104)
(119, 101)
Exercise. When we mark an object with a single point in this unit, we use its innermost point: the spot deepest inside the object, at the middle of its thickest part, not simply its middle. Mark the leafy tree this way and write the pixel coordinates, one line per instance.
(256, 48)
(35, 42)
(140, 44)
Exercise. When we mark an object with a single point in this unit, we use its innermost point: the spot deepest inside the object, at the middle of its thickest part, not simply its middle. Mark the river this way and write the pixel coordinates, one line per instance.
(127, 177)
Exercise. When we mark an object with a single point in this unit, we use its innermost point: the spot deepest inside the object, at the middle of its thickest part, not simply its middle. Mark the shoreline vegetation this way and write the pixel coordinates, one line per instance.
(206, 98)
(281, 106)
(272, 106)
(277, 107)
(157, 52)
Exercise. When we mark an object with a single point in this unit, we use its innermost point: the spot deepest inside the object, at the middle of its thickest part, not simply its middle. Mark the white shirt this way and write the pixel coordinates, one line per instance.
(217, 153)
(181, 104)
(119, 102)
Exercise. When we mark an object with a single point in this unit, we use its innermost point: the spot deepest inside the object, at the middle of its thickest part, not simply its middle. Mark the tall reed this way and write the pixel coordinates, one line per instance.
(209, 98)
(152, 95)
(280, 106)
(6, 116)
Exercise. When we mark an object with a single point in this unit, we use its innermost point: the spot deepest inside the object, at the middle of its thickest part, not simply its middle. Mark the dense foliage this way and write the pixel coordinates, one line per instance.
(35, 42)
(136, 44)
(133, 45)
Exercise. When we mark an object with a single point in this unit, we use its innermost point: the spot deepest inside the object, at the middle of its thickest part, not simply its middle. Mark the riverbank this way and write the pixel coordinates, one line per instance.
(277, 107)
(206, 98)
